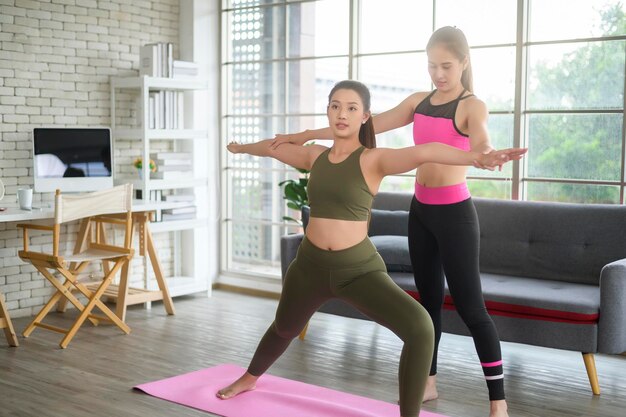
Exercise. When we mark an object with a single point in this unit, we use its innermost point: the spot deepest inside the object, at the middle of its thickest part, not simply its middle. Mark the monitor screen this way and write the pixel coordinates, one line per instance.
(72, 159)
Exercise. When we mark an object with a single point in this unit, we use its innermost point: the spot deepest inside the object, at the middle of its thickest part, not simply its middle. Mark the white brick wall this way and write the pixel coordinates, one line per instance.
(56, 57)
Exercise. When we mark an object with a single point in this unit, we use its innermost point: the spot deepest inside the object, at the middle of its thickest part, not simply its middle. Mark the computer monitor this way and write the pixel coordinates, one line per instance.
(72, 159)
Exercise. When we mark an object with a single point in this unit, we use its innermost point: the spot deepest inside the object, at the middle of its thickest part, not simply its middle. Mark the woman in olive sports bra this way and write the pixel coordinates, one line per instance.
(336, 258)
(443, 226)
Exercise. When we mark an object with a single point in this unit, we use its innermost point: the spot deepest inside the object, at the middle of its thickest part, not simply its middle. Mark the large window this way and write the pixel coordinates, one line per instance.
(553, 84)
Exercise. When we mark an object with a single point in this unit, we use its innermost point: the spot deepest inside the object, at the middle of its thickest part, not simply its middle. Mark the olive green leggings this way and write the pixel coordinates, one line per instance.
(356, 275)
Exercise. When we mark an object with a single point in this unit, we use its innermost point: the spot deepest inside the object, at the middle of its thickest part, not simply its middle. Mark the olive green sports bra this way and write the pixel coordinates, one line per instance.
(339, 191)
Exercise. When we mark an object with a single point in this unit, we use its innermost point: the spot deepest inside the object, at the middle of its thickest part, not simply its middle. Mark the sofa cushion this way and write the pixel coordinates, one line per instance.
(393, 200)
(541, 298)
(389, 222)
(536, 299)
(395, 252)
(554, 241)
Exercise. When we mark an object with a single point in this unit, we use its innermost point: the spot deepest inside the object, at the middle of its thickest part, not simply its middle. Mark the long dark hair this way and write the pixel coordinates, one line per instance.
(367, 136)
(454, 40)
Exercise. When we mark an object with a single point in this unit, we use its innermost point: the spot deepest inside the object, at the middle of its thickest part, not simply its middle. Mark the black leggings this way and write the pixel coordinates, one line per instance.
(446, 238)
(358, 276)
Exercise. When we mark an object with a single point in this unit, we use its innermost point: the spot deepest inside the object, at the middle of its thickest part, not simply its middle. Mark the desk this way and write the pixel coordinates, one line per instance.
(121, 294)
(14, 214)
(19, 215)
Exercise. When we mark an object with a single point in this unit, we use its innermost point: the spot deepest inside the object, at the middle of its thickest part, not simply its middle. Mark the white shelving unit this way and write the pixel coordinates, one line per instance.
(190, 236)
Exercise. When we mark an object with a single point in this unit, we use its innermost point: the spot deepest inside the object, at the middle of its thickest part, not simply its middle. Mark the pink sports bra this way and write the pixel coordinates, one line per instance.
(435, 123)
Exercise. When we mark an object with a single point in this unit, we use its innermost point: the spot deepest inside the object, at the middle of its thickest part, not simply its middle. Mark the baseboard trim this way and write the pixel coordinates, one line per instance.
(247, 291)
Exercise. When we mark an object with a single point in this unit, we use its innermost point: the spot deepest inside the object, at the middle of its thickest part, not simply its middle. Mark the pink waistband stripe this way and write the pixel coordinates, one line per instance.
(491, 364)
(448, 194)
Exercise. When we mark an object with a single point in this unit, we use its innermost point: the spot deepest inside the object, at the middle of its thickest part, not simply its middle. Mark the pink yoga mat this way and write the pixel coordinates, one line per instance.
(273, 397)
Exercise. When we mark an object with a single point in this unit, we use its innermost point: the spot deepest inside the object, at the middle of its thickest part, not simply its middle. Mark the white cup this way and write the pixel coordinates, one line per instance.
(25, 198)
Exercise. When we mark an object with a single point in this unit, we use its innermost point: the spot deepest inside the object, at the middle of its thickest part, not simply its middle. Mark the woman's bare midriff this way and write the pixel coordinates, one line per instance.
(438, 175)
(331, 234)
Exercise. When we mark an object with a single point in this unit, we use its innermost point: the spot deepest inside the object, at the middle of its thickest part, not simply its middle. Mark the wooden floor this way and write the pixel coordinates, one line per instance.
(95, 374)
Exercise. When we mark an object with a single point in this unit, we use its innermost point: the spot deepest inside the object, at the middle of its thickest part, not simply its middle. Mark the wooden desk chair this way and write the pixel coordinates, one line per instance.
(94, 209)
(5, 323)
(122, 294)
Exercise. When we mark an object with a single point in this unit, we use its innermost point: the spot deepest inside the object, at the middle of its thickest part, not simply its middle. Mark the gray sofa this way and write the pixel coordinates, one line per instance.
(553, 274)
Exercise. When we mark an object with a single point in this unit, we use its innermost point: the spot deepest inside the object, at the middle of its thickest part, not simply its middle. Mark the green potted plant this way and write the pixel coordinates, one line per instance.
(295, 193)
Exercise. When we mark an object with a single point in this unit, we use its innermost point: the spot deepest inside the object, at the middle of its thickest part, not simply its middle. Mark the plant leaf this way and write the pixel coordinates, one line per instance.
(291, 194)
(294, 206)
(291, 219)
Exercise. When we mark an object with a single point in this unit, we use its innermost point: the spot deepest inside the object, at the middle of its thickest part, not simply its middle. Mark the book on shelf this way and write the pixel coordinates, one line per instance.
(179, 198)
(169, 59)
(154, 114)
(155, 195)
(180, 210)
(183, 216)
(171, 155)
(156, 59)
(171, 161)
(171, 175)
(186, 65)
(180, 110)
(151, 111)
(148, 60)
(168, 168)
(165, 109)
(184, 69)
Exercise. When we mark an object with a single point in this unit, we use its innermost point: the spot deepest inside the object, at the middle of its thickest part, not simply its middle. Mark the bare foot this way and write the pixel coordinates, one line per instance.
(247, 382)
(431, 389)
(498, 409)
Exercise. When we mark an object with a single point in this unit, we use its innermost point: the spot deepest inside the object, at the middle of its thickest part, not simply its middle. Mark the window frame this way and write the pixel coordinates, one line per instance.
(519, 178)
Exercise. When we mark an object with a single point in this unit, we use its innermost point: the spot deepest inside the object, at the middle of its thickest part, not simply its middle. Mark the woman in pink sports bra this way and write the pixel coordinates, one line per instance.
(443, 226)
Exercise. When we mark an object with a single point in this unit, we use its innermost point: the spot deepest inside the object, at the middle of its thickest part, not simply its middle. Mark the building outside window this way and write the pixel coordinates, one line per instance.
(552, 84)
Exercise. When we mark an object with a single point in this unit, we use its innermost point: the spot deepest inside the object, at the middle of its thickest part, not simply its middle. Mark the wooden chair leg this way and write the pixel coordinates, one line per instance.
(124, 283)
(590, 365)
(93, 302)
(42, 313)
(62, 305)
(5, 323)
(63, 292)
(158, 273)
(102, 238)
(103, 307)
(122, 293)
(303, 332)
(84, 233)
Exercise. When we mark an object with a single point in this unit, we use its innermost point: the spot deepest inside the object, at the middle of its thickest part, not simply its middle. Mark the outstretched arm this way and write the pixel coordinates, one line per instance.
(297, 156)
(399, 116)
(397, 161)
(477, 128)
(301, 138)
